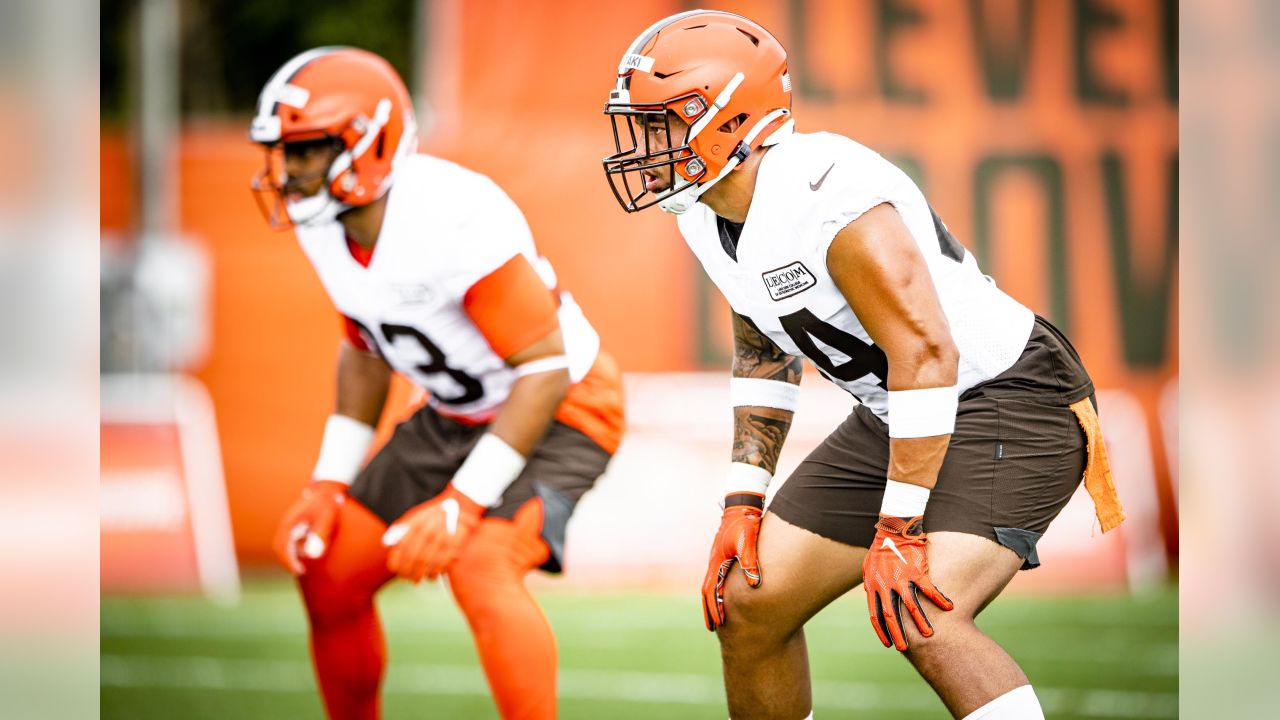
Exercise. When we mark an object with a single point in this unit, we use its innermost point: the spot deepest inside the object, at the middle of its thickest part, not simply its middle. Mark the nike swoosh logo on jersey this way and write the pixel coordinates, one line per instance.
(890, 544)
(815, 185)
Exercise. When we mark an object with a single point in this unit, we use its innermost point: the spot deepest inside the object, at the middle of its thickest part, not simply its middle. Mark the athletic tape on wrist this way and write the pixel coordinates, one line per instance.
(489, 470)
(758, 392)
(342, 451)
(924, 412)
(541, 365)
(904, 499)
(744, 478)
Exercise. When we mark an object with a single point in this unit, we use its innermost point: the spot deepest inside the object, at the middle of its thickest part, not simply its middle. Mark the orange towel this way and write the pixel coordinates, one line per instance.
(1097, 469)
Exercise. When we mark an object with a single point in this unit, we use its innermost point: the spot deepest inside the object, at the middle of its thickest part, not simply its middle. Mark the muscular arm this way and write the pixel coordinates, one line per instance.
(528, 410)
(363, 379)
(759, 432)
(877, 266)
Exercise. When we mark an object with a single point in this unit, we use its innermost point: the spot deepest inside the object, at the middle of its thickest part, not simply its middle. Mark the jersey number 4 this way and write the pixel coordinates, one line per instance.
(864, 358)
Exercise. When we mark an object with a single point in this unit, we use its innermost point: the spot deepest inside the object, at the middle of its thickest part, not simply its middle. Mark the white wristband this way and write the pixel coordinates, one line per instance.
(904, 499)
(342, 451)
(489, 470)
(923, 413)
(744, 478)
(758, 392)
(541, 365)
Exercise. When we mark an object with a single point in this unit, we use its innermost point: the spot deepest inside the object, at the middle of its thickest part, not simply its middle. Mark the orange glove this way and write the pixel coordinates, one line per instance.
(308, 524)
(735, 541)
(894, 572)
(426, 541)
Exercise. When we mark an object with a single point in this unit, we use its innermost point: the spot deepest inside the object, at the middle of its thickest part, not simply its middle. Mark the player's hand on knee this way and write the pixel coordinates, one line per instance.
(735, 542)
(895, 574)
(308, 524)
(426, 541)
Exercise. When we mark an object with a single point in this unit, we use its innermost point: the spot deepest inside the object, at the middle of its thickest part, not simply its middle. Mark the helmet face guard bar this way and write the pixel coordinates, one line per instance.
(274, 190)
(626, 167)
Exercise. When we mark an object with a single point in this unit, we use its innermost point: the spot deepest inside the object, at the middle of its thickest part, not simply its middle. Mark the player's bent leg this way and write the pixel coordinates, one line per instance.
(766, 663)
(347, 644)
(516, 646)
(966, 668)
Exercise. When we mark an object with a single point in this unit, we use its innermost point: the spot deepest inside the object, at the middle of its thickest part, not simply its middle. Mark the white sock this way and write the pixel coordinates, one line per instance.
(1019, 703)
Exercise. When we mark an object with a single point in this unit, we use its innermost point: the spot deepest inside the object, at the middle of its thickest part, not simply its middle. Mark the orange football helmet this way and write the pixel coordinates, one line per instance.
(353, 97)
(711, 69)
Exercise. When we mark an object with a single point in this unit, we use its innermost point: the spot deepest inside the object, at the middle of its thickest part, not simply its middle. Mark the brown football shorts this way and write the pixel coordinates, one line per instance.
(428, 448)
(1015, 458)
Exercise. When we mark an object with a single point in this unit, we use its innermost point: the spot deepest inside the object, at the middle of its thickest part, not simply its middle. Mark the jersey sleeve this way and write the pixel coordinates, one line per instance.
(493, 233)
(511, 307)
(859, 180)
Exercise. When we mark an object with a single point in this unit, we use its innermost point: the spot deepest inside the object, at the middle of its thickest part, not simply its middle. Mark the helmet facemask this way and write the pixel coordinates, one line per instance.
(633, 158)
(280, 196)
(689, 58)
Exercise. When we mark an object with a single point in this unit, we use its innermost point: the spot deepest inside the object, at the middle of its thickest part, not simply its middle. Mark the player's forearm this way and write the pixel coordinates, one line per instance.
(924, 361)
(498, 458)
(529, 410)
(363, 380)
(758, 436)
(763, 391)
(917, 460)
(930, 366)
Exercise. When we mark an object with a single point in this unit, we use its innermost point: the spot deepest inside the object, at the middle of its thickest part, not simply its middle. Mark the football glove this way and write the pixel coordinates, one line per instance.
(426, 541)
(308, 524)
(735, 542)
(895, 572)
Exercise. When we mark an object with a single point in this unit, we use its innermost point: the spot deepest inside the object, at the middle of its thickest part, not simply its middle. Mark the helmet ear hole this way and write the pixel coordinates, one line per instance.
(733, 123)
(382, 143)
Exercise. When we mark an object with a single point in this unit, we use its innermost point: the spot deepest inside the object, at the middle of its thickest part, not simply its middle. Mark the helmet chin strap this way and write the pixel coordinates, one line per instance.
(684, 197)
(318, 209)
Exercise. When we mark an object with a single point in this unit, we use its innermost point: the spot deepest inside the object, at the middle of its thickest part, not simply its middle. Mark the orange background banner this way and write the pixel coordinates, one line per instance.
(1044, 134)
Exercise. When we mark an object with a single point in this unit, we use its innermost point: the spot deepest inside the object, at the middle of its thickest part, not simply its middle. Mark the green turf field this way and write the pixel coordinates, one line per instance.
(622, 656)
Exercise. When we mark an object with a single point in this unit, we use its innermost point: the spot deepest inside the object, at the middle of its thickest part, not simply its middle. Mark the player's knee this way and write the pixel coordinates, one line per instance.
(952, 632)
(331, 602)
(751, 619)
(481, 582)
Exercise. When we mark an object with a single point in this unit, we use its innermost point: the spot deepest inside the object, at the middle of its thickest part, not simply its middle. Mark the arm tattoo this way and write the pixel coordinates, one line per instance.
(758, 433)
(756, 356)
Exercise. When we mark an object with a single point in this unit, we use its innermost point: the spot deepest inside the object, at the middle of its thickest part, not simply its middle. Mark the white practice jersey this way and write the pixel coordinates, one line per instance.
(445, 228)
(809, 187)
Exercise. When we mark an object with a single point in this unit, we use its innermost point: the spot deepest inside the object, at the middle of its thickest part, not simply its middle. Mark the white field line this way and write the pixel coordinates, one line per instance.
(1151, 660)
(211, 673)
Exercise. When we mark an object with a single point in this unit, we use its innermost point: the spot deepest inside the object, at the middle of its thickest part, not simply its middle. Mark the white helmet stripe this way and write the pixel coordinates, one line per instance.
(716, 106)
(275, 89)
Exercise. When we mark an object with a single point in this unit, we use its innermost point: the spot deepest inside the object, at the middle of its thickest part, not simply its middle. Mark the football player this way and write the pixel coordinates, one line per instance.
(975, 421)
(436, 276)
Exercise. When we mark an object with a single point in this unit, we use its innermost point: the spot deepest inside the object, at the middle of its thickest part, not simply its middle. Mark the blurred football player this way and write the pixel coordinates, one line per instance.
(975, 421)
(435, 273)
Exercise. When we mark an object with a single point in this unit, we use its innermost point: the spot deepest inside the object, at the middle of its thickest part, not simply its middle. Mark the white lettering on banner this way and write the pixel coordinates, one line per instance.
(788, 280)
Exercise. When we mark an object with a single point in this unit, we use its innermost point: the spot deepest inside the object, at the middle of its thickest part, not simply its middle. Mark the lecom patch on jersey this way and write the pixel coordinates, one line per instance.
(788, 280)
